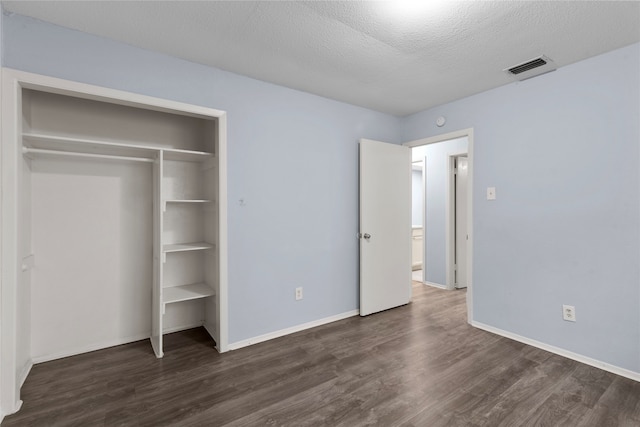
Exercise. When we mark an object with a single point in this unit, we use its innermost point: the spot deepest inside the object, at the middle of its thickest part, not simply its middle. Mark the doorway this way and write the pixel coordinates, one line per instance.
(447, 213)
(417, 219)
(458, 220)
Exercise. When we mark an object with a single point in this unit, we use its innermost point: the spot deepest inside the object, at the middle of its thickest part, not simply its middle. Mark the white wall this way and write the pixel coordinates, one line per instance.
(437, 187)
(562, 150)
(92, 238)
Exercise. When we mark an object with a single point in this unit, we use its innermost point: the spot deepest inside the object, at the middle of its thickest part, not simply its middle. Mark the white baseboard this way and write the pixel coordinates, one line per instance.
(282, 332)
(436, 285)
(181, 328)
(22, 376)
(89, 348)
(107, 344)
(561, 352)
(211, 331)
(4, 413)
(24, 372)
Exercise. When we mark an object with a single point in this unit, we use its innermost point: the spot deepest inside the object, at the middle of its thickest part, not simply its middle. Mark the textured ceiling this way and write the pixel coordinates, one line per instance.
(359, 52)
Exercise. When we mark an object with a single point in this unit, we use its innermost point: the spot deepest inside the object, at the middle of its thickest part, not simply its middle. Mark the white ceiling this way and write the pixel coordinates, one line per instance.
(358, 52)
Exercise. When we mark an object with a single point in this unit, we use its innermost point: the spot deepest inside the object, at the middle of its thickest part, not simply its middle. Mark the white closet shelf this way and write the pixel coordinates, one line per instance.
(186, 155)
(187, 201)
(182, 247)
(186, 292)
(70, 145)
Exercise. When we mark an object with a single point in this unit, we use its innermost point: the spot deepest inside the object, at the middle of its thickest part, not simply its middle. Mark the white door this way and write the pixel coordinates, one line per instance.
(385, 226)
(461, 222)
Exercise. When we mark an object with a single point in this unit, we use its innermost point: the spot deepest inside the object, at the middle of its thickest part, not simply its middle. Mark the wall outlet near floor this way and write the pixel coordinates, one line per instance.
(569, 313)
(298, 294)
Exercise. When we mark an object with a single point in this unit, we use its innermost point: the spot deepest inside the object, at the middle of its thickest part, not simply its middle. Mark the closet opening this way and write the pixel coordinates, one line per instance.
(113, 222)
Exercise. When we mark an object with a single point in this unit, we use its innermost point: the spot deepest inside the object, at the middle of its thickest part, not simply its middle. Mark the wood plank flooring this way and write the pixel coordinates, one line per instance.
(418, 365)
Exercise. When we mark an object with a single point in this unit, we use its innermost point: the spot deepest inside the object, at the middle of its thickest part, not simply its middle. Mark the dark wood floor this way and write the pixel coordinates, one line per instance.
(418, 365)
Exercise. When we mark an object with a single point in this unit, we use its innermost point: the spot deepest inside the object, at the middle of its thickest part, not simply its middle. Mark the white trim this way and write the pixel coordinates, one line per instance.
(99, 93)
(437, 285)
(17, 407)
(222, 298)
(470, 163)
(107, 344)
(22, 377)
(561, 352)
(439, 138)
(88, 348)
(10, 262)
(287, 331)
(445, 137)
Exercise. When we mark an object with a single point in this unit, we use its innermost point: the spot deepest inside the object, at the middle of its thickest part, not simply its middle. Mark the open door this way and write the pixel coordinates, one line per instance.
(385, 226)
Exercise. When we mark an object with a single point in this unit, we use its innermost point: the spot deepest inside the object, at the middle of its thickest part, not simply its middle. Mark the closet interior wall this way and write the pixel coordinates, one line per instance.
(89, 225)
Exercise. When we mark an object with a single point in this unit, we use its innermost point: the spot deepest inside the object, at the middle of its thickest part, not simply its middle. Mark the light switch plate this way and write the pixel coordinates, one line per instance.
(491, 193)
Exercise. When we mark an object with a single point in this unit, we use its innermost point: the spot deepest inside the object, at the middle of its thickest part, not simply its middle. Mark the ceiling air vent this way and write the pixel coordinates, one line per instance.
(531, 68)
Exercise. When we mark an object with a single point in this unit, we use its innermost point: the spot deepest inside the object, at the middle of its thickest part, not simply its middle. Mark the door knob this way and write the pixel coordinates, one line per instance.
(367, 236)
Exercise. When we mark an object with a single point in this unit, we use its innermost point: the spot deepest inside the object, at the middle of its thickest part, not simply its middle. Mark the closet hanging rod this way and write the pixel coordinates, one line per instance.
(27, 150)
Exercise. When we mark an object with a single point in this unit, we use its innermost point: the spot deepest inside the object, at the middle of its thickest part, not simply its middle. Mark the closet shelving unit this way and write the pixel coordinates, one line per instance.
(186, 235)
(50, 120)
(178, 174)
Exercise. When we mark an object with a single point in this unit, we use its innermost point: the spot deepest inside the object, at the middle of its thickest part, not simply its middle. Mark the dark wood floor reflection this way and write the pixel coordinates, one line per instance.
(418, 365)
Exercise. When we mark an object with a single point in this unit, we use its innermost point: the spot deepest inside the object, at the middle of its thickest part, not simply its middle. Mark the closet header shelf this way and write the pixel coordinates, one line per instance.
(187, 201)
(38, 143)
(33, 152)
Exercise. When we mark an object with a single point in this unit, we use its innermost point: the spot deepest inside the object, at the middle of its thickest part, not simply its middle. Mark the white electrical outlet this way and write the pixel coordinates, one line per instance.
(569, 313)
(298, 294)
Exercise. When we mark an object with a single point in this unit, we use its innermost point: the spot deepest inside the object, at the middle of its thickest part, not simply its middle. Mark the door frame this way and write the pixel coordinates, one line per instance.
(445, 137)
(450, 222)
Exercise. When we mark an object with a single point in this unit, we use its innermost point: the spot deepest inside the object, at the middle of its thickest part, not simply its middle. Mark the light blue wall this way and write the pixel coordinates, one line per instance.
(436, 216)
(416, 197)
(292, 158)
(562, 151)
